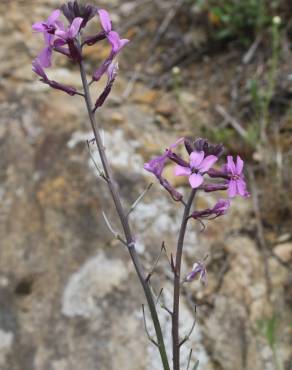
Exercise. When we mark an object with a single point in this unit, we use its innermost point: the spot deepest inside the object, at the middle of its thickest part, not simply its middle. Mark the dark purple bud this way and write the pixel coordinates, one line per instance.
(203, 145)
(218, 174)
(220, 208)
(174, 193)
(62, 50)
(68, 89)
(91, 40)
(73, 9)
(208, 188)
(111, 73)
(175, 158)
(74, 50)
(189, 145)
(37, 68)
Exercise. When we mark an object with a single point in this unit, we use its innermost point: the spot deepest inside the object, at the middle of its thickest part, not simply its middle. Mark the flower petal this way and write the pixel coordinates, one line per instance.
(54, 16)
(105, 20)
(37, 68)
(59, 42)
(196, 180)
(44, 57)
(207, 163)
(182, 171)
(241, 187)
(62, 34)
(74, 27)
(116, 42)
(196, 159)
(239, 165)
(232, 190)
(230, 165)
(39, 27)
(99, 72)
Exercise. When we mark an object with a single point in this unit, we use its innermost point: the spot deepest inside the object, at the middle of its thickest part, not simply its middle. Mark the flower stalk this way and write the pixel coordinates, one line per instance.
(177, 282)
(124, 220)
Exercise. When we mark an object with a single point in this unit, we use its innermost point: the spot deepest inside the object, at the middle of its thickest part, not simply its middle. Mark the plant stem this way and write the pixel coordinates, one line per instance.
(124, 221)
(176, 283)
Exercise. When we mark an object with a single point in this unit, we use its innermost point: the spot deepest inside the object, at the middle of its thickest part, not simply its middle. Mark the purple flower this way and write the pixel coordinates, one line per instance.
(68, 37)
(113, 37)
(220, 208)
(199, 269)
(199, 164)
(37, 68)
(236, 183)
(71, 32)
(48, 29)
(156, 166)
(209, 188)
(49, 26)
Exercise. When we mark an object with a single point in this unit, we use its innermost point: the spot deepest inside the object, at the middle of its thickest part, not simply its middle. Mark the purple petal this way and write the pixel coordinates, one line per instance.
(182, 171)
(195, 180)
(59, 42)
(156, 165)
(75, 27)
(112, 71)
(116, 42)
(221, 207)
(48, 38)
(232, 191)
(54, 16)
(60, 25)
(196, 159)
(99, 72)
(62, 34)
(37, 68)
(207, 163)
(241, 187)
(230, 165)
(39, 27)
(44, 57)
(239, 165)
(105, 21)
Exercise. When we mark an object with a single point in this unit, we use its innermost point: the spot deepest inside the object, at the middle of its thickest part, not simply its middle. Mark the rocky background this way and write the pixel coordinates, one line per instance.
(69, 298)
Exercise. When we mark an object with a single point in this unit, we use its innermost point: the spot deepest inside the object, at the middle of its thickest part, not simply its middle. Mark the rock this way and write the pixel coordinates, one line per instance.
(96, 278)
(6, 340)
(144, 96)
(284, 251)
(166, 106)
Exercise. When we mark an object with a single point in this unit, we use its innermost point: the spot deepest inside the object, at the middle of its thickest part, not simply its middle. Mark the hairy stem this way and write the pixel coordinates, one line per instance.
(123, 219)
(176, 284)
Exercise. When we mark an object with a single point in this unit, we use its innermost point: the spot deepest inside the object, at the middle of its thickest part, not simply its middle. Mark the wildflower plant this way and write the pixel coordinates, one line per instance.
(199, 167)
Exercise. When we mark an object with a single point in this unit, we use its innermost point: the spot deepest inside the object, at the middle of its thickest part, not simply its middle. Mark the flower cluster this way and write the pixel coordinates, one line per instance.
(202, 157)
(69, 41)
